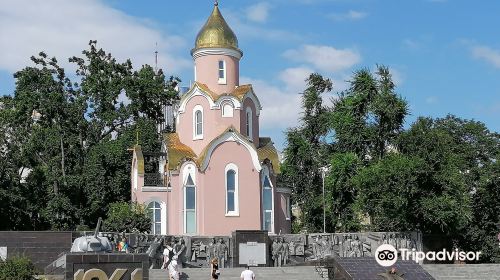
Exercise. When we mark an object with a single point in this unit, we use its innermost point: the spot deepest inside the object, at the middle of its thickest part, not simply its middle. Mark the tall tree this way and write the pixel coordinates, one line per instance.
(304, 153)
(368, 117)
(64, 144)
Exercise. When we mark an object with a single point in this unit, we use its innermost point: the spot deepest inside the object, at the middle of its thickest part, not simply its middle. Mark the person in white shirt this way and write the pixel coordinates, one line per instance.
(247, 274)
(173, 269)
(168, 253)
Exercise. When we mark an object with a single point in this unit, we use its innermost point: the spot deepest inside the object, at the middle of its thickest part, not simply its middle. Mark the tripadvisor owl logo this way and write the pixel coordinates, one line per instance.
(386, 255)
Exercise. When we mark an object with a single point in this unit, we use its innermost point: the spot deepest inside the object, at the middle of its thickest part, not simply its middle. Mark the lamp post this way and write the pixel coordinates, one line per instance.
(324, 170)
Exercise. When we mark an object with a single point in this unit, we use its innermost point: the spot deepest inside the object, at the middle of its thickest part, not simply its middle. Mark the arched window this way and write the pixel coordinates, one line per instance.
(222, 72)
(227, 110)
(189, 200)
(267, 201)
(249, 119)
(198, 122)
(232, 201)
(155, 210)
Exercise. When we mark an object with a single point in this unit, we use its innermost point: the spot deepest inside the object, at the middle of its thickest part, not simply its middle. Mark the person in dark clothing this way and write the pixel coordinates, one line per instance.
(214, 271)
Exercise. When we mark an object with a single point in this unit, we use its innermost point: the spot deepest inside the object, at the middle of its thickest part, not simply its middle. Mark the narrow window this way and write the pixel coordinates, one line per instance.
(222, 72)
(190, 206)
(267, 197)
(155, 210)
(267, 201)
(198, 122)
(230, 175)
(232, 206)
(249, 126)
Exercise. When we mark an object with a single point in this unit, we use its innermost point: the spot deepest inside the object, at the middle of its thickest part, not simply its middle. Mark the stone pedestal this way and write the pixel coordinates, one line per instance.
(250, 247)
(87, 266)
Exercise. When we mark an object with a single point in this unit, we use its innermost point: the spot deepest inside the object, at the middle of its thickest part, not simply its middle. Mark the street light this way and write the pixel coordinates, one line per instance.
(324, 170)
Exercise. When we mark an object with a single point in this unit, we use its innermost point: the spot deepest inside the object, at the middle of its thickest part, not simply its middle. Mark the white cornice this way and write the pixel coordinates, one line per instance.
(217, 51)
(231, 136)
(251, 94)
(195, 91)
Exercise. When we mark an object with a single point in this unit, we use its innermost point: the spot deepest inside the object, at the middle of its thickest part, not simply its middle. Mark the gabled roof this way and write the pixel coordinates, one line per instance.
(267, 150)
(239, 93)
(140, 159)
(177, 151)
(230, 134)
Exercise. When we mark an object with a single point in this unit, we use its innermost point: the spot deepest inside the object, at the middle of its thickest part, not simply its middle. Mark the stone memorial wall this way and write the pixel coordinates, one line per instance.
(287, 249)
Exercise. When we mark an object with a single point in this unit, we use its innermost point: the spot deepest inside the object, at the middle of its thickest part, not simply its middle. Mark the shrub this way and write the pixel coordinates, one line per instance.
(126, 217)
(17, 268)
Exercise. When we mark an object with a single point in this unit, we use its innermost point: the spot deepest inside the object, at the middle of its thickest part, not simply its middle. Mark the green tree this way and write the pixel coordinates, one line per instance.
(367, 118)
(126, 217)
(341, 193)
(304, 153)
(460, 181)
(64, 144)
(17, 268)
(388, 191)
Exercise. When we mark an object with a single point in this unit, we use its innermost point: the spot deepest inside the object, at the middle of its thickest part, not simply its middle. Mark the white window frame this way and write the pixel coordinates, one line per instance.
(197, 136)
(265, 173)
(227, 114)
(163, 216)
(189, 169)
(236, 212)
(222, 81)
(249, 122)
(154, 222)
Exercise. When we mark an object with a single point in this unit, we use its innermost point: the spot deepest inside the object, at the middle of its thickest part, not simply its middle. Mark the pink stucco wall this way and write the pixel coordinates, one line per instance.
(214, 219)
(213, 123)
(211, 216)
(207, 72)
(255, 122)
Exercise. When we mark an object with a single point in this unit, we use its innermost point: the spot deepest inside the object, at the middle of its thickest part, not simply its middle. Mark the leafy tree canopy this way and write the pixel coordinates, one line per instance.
(64, 142)
(439, 176)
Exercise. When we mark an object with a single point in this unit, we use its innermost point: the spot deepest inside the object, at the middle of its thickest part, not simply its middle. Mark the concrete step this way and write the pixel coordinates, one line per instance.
(278, 273)
(466, 272)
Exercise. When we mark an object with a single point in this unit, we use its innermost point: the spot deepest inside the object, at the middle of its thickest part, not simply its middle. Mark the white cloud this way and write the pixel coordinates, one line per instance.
(350, 15)
(258, 12)
(282, 101)
(487, 54)
(63, 28)
(280, 107)
(295, 78)
(325, 58)
(397, 76)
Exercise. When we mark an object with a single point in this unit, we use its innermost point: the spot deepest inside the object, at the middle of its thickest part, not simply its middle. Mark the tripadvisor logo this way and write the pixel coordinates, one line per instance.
(387, 255)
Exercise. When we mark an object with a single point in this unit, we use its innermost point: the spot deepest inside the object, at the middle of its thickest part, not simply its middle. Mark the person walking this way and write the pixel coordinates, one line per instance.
(173, 269)
(247, 274)
(214, 269)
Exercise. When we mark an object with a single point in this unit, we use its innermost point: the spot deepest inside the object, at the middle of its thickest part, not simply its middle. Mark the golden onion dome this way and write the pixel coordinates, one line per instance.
(216, 33)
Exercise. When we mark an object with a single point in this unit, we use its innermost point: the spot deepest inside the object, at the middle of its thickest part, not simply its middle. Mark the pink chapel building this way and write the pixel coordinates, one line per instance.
(216, 173)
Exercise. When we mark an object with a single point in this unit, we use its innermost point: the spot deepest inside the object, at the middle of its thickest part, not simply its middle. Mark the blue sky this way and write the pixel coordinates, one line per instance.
(444, 54)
